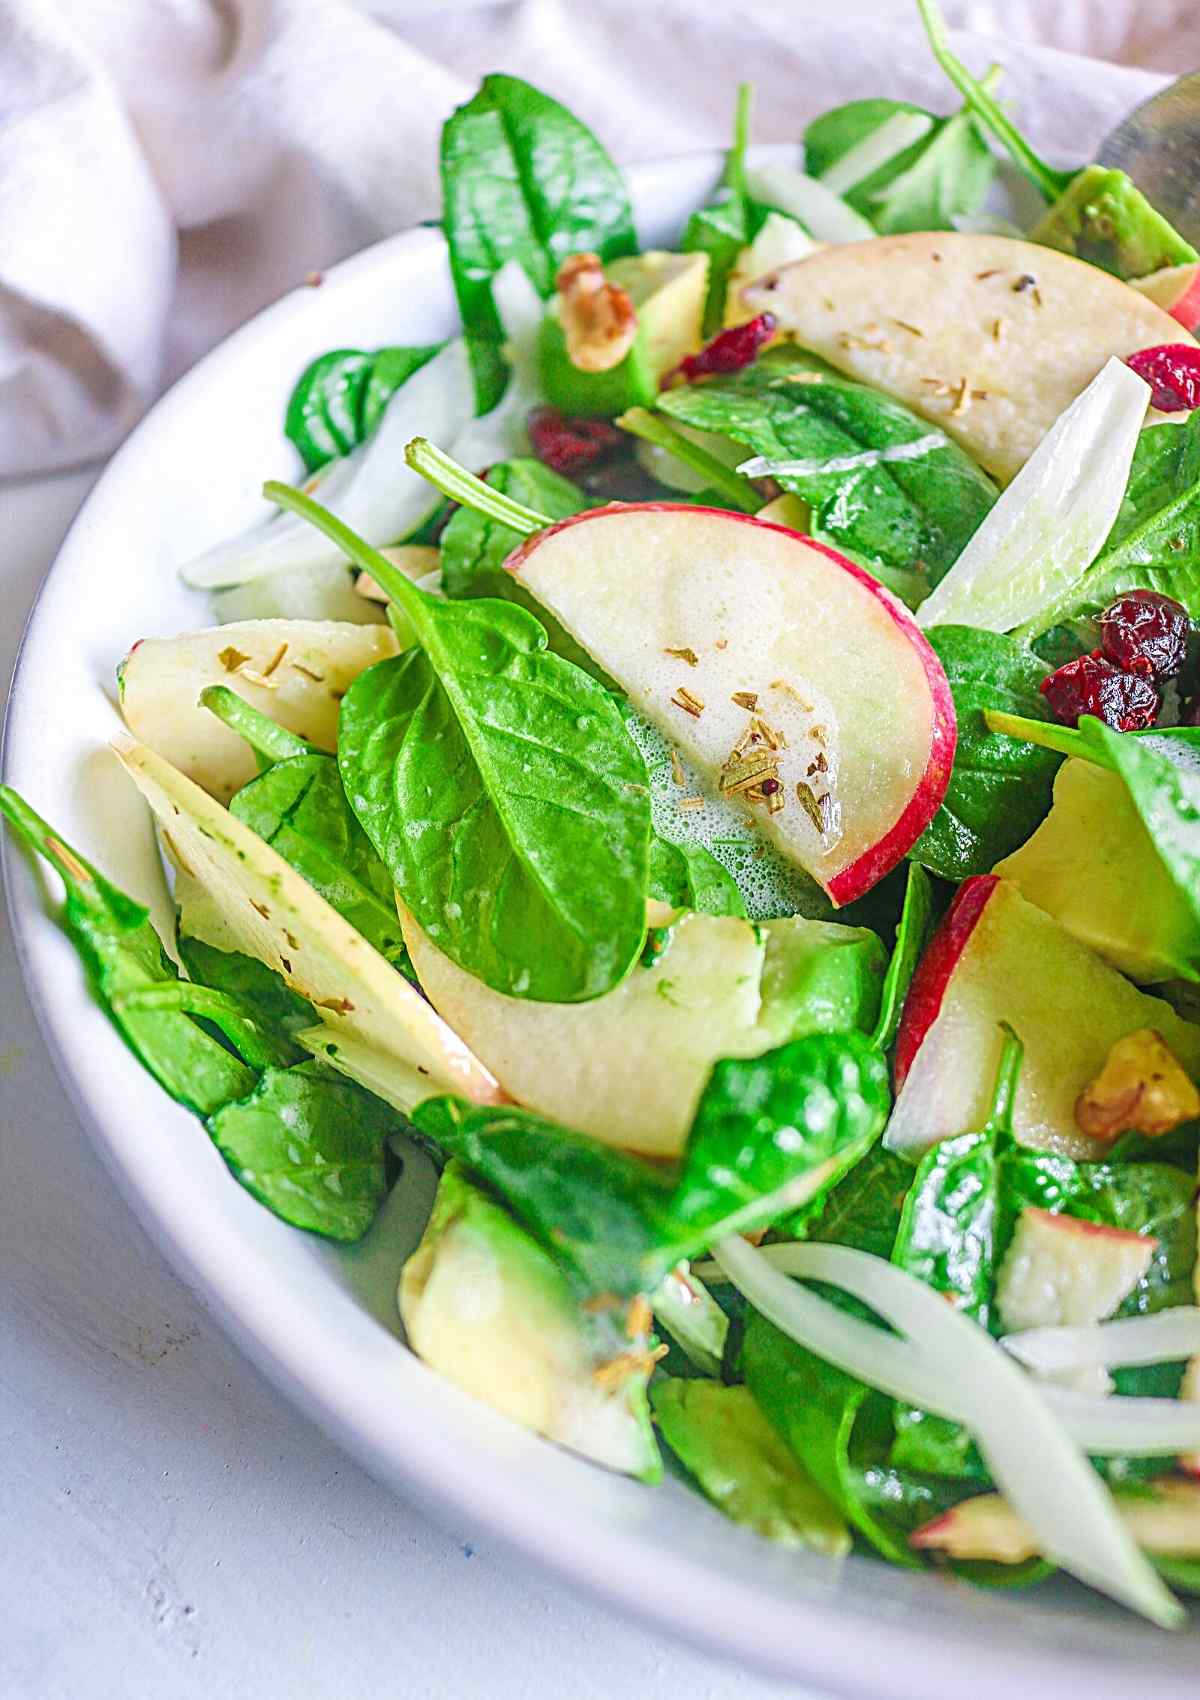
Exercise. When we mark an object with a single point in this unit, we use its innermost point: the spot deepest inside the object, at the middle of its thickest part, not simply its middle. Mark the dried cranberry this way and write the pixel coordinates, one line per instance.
(570, 446)
(1173, 372)
(1145, 632)
(1091, 685)
(729, 350)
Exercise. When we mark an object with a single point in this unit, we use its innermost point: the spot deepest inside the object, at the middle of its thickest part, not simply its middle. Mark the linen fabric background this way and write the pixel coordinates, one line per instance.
(168, 167)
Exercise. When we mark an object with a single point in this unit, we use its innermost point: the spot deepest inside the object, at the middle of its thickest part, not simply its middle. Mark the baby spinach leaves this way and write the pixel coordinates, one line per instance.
(123, 957)
(311, 1147)
(1155, 540)
(729, 222)
(899, 513)
(339, 397)
(768, 1132)
(1000, 788)
(912, 935)
(500, 788)
(524, 180)
(687, 876)
(942, 175)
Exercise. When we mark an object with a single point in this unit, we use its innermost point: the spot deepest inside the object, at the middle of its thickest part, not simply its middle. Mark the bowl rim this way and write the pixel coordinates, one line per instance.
(896, 1652)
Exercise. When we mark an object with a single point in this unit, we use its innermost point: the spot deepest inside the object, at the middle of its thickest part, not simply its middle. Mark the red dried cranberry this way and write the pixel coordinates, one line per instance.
(570, 446)
(729, 351)
(1145, 632)
(1173, 372)
(1126, 701)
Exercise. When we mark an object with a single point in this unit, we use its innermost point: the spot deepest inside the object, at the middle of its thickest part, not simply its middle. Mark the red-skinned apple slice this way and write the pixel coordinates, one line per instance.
(714, 622)
(1176, 289)
(988, 337)
(997, 958)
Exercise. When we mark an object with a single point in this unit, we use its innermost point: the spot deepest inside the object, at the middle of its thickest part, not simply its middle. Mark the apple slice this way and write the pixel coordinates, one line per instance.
(996, 957)
(720, 626)
(988, 337)
(297, 671)
(260, 905)
(1176, 289)
(1163, 1517)
(1062, 1272)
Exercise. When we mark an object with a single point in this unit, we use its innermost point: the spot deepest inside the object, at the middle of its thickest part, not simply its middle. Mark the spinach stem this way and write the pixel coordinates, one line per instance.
(401, 590)
(270, 741)
(989, 111)
(453, 480)
(653, 428)
(1067, 740)
(735, 160)
(1007, 1077)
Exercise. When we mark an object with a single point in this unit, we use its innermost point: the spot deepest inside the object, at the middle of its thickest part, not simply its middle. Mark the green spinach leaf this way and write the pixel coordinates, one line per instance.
(912, 933)
(311, 1147)
(1155, 540)
(899, 513)
(524, 180)
(687, 876)
(339, 397)
(124, 959)
(498, 785)
(1000, 789)
(724, 227)
(260, 988)
(863, 1209)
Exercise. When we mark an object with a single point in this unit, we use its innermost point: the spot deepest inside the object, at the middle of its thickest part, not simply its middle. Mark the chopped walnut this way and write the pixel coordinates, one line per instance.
(599, 320)
(1142, 1088)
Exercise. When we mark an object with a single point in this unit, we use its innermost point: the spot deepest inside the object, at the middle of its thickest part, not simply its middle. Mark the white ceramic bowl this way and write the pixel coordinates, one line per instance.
(322, 1322)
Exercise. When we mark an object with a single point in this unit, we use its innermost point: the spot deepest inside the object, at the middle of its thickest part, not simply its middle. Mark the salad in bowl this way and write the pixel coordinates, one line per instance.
(709, 754)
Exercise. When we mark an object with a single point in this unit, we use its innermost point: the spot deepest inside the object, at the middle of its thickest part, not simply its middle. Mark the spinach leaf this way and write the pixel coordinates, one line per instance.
(947, 1238)
(912, 933)
(1000, 789)
(1155, 540)
(899, 513)
(738, 1461)
(499, 786)
(244, 977)
(270, 741)
(724, 227)
(1161, 773)
(834, 1424)
(524, 180)
(771, 1131)
(339, 397)
(311, 1147)
(687, 876)
(925, 187)
(475, 547)
(124, 959)
(863, 1209)
(768, 1132)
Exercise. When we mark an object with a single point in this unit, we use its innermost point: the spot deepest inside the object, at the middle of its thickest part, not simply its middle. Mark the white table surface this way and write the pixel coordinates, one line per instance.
(170, 1527)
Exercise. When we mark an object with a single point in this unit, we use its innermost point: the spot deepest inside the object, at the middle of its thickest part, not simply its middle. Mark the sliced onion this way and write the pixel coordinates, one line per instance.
(502, 433)
(1035, 1462)
(1050, 524)
(822, 213)
(371, 488)
(877, 149)
(1157, 1339)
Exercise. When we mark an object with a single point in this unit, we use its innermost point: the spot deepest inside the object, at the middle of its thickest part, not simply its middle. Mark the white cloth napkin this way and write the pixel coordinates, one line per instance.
(168, 167)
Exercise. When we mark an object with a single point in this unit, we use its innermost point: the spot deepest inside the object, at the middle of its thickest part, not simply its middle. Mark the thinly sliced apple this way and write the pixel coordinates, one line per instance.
(1060, 1271)
(988, 337)
(1176, 289)
(996, 957)
(713, 621)
(297, 671)
(272, 914)
(1163, 1517)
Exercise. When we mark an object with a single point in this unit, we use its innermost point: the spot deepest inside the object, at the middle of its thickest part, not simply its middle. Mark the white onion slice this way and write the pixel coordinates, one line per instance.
(1050, 524)
(1036, 1464)
(822, 213)
(1157, 1339)
(877, 149)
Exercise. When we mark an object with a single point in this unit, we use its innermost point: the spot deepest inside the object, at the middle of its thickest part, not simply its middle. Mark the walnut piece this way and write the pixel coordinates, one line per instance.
(1142, 1088)
(599, 320)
